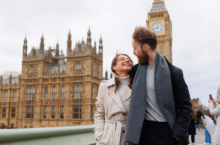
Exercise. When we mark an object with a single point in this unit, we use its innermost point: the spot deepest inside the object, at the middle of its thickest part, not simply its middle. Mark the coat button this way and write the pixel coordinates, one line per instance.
(123, 131)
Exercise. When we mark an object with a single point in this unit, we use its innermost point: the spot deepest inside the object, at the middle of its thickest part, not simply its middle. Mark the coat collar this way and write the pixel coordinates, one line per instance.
(115, 96)
(111, 82)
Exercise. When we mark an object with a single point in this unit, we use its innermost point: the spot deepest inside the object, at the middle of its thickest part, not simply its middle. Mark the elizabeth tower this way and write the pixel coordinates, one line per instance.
(159, 21)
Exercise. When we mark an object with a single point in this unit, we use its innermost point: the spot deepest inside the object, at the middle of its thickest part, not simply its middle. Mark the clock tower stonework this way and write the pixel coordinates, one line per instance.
(159, 21)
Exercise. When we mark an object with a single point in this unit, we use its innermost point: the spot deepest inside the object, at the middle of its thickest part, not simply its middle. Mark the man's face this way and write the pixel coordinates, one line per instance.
(142, 55)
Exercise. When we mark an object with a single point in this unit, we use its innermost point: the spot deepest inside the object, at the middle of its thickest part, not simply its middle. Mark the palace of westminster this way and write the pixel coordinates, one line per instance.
(56, 90)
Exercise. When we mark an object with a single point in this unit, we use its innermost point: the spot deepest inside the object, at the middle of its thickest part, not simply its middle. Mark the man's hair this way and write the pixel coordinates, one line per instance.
(143, 35)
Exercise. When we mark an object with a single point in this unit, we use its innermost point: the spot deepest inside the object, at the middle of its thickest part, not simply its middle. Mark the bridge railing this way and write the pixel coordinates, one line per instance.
(70, 135)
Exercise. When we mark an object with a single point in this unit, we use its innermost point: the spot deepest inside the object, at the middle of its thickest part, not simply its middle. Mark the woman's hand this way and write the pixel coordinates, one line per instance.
(97, 104)
(213, 100)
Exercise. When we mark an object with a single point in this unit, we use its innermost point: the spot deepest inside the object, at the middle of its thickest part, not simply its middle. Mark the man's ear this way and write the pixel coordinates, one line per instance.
(146, 47)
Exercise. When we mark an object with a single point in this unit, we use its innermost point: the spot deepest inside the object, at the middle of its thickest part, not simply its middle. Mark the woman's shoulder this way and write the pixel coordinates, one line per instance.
(108, 82)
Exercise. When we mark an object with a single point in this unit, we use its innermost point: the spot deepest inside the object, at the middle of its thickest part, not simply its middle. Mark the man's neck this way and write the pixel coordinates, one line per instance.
(152, 58)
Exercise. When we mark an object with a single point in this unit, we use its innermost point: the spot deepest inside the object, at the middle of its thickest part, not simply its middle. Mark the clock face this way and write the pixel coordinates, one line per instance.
(157, 27)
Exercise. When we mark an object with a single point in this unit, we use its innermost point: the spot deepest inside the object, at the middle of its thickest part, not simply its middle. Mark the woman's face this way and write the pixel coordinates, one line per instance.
(123, 64)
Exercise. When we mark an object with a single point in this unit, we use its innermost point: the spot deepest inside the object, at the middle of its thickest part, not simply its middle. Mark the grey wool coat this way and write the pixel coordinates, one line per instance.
(164, 97)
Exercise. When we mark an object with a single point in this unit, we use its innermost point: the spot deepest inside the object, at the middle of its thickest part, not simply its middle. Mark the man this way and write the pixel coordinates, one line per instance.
(160, 107)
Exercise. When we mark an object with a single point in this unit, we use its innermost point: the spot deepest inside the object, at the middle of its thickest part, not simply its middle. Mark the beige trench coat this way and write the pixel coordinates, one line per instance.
(111, 118)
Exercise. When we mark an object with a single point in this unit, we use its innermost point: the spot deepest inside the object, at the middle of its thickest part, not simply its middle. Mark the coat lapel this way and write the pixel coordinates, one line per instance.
(126, 94)
(113, 95)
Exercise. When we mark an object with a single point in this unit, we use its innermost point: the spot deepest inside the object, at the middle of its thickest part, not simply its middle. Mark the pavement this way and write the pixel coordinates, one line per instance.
(199, 137)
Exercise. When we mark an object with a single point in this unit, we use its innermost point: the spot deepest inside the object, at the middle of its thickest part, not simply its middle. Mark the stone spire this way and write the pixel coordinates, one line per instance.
(25, 40)
(89, 32)
(69, 44)
(111, 75)
(57, 46)
(89, 40)
(100, 45)
(49, 52)
(69, 35)
(158, 6)
(95, 47)
(106, 75)
(42, 43)
(25, 48)
(33, 51)
(158, 1)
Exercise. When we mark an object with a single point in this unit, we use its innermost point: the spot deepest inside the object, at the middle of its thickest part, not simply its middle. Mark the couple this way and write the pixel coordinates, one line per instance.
(158, 109)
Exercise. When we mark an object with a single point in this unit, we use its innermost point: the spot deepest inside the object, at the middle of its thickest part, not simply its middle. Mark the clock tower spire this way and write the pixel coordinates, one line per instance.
(159, 21)
(158, 1)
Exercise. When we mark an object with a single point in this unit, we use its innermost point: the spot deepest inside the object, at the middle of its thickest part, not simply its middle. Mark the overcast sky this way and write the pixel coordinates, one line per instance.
(196, 32)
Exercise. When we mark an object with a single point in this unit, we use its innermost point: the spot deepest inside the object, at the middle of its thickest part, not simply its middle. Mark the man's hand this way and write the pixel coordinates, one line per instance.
(97, 104)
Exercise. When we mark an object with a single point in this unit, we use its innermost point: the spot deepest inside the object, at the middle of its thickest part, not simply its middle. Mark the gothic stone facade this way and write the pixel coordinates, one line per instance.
(159, 21)
(53, 89)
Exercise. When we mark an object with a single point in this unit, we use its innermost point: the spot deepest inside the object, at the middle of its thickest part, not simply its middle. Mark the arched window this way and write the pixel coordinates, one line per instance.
(78, 66)
(31, 69)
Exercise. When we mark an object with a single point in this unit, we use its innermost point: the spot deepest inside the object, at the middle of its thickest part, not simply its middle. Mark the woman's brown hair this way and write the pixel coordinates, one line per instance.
(117, 81)
(199, 115)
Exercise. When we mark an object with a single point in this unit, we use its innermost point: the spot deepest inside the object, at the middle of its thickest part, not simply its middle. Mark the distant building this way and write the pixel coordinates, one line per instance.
(196, 104)
(53, 89)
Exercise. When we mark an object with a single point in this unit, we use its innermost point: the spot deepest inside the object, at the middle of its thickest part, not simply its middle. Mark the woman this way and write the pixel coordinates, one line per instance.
(215, 110)
(197, 125)
(114, 100)
(192, 131)
(208, 124)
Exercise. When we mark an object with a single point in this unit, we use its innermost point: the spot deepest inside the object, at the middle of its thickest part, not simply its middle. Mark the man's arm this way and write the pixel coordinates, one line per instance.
(184, 107)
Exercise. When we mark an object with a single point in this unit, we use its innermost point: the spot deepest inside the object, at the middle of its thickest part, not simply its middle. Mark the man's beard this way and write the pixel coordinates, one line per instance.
(143, 58)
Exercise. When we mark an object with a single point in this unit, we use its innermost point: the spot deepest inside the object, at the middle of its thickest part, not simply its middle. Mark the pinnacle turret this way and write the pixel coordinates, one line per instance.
(57, 46)
(42, 38)
(89, 32)
(106, 75)
(25, 40)
(158, 1)
(100, 40)
(69, 35)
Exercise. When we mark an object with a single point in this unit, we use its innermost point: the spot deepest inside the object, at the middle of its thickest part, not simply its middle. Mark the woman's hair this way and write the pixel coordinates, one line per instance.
(218, 96)
(117, 81)
(199, 115)
(193, 116)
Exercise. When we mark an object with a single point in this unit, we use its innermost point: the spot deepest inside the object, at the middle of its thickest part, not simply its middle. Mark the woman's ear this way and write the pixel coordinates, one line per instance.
(114, 68)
